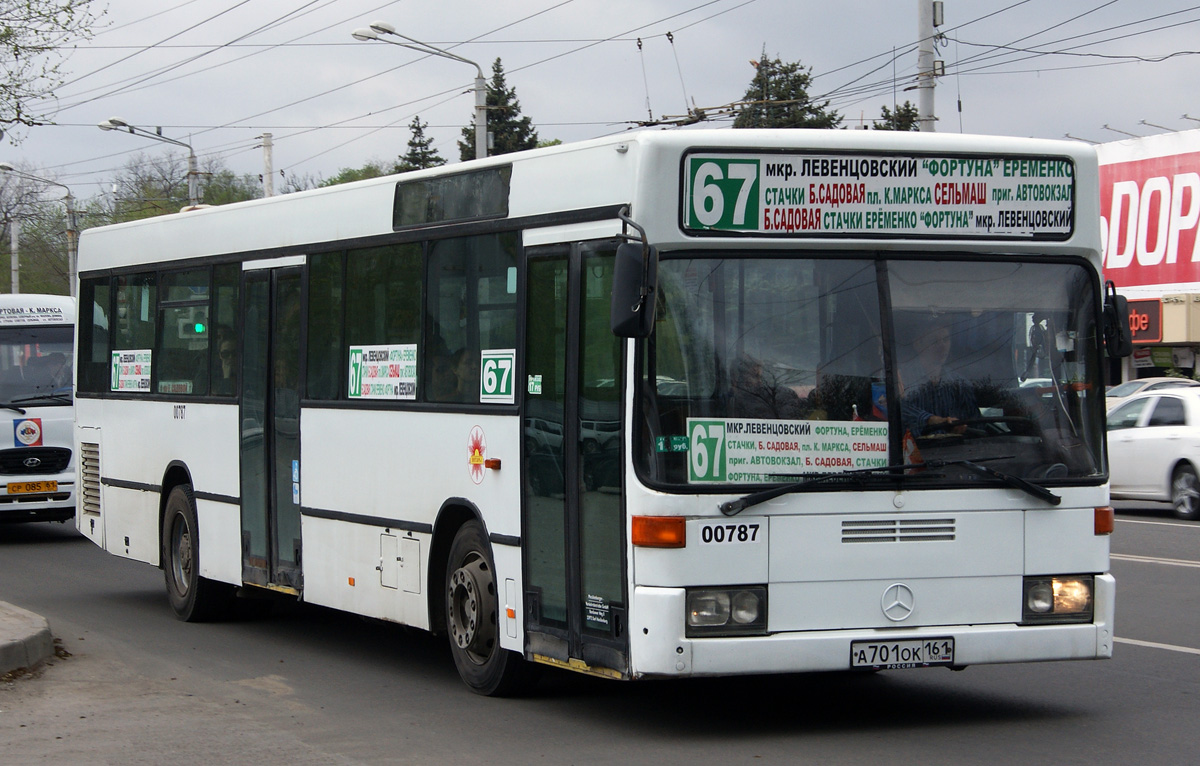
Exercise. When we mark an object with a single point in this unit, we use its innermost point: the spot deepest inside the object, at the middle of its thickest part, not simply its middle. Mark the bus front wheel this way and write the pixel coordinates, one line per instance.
(472, 618)
(193, 598)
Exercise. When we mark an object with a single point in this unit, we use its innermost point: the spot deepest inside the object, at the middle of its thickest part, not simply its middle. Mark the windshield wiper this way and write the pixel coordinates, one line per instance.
(13, 407)
(40, 397)
(1017, 482)
(734, 507)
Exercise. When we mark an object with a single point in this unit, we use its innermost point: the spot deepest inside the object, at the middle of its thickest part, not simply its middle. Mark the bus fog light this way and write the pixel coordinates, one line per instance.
(1058, 599)
(734, 611)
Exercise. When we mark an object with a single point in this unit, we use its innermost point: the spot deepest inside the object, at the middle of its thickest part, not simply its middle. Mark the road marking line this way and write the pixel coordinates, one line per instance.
(1183, 524)
(1154, 560)
(1153, 645)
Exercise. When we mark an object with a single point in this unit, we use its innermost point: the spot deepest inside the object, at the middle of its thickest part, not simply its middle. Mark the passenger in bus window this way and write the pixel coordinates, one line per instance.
(466, 376)
(938, 399)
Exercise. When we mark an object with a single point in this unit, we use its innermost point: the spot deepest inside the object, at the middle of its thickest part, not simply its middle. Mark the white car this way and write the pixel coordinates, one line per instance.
(1119, 392)
(1154, 449)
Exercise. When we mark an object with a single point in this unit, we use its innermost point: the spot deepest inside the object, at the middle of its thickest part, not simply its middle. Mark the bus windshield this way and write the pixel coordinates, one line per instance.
(35, 365)
(764, 370)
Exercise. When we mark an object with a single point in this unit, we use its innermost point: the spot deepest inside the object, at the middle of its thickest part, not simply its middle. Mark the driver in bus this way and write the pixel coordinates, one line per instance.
(940, 400)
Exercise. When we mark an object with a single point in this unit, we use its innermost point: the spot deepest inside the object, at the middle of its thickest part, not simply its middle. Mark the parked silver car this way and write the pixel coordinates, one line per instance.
(1154, 449)
(1121, 391)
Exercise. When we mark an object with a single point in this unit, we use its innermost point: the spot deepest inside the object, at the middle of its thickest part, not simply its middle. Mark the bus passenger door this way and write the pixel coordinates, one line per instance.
(575, 599)
(270, 431)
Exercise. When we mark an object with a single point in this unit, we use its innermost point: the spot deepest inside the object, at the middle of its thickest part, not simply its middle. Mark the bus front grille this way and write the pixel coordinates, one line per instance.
(898, 531)
(29, 461)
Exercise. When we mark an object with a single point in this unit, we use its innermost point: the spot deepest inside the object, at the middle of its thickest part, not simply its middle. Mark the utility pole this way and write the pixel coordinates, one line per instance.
(268, 165)
(929, 17)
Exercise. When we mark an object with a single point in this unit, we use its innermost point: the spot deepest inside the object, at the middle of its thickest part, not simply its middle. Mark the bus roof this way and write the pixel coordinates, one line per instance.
(597, 174)
(30, 308)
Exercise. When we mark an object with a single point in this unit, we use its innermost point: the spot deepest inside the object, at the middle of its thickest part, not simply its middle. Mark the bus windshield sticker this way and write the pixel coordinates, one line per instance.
(383, 372)
(864, 195)
(131, 371)
(759, 451)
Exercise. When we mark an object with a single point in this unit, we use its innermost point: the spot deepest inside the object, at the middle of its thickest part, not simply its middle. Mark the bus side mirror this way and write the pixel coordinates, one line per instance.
(635, 278)
(1117, 336)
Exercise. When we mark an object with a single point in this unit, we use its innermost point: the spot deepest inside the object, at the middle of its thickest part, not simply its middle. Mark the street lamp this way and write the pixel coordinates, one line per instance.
(72, 232)
(383, 28)
(116, 123)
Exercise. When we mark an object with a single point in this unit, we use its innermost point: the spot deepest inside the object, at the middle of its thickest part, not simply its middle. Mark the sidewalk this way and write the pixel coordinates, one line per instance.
(24, 638)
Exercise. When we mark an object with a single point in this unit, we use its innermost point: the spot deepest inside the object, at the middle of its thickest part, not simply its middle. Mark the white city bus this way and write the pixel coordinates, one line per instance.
(647, 406)
(37, 467)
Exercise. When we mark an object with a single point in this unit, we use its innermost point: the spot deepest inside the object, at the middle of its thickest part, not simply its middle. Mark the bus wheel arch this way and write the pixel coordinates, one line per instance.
(193, 598)
(465, 604)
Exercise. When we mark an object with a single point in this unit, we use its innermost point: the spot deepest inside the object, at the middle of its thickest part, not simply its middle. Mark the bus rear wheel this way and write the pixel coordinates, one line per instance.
(472, 618)
(193, 598)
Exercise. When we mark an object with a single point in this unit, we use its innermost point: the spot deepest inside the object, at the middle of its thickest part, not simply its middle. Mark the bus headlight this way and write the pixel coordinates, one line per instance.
(736, 611)
(1057, 599)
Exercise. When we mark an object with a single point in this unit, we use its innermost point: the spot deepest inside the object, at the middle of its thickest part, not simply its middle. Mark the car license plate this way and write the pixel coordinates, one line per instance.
(913, 653)
(26, 487)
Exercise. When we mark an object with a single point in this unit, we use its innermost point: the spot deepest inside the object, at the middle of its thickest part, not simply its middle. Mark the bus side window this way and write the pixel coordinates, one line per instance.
(94, 356)
(472, 308)
(223, 318)
(325, 332)
(180, 359)
(386, 285)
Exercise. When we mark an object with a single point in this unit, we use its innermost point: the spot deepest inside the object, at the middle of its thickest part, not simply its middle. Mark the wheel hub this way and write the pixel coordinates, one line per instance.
(471, 628)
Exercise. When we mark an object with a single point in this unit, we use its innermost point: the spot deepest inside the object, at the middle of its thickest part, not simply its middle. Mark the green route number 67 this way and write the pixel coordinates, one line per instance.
(706, 451)
(723, 194)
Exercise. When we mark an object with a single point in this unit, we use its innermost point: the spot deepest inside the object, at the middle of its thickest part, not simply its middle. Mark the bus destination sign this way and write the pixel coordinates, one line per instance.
(863, 195)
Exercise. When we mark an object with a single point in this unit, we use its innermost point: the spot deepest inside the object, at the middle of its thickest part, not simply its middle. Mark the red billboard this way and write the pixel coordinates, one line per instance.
(1150, 208)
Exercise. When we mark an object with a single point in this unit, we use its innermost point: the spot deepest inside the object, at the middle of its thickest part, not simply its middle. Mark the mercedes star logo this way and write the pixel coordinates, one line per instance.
(897, 602)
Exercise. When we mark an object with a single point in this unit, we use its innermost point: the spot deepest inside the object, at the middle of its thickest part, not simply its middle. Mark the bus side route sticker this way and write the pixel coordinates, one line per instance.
(496, 375)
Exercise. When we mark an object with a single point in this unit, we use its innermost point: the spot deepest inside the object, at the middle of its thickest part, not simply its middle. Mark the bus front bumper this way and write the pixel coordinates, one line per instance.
(660, 648)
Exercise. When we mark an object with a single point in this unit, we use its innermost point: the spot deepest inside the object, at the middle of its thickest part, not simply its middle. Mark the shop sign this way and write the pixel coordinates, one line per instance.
(1145, 320)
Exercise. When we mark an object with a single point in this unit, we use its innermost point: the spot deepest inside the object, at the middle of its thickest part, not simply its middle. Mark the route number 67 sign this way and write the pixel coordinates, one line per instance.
(497, 368)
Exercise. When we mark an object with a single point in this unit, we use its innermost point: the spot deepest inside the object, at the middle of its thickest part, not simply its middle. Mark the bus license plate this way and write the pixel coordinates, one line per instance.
(26, 487)
(916, 653)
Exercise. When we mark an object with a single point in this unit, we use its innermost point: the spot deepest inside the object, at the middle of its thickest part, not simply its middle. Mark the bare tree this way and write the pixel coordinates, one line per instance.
(34, 36)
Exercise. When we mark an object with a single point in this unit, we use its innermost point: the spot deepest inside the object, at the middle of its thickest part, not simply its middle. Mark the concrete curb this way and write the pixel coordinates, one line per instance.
(25, 638)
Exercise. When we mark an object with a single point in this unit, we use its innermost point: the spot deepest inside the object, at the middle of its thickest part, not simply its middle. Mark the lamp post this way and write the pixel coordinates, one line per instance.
(72, 231)
(116, 123)
(383, 28)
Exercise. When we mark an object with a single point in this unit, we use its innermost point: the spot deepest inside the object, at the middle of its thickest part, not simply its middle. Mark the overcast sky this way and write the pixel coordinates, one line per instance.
(220, 73)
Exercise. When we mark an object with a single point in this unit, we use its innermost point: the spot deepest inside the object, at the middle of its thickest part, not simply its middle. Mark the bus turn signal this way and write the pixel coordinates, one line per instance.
(659, 531)
(1105, 521)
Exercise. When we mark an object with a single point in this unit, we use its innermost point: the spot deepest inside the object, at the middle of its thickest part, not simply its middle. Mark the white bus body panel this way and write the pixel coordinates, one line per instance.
(398, 465)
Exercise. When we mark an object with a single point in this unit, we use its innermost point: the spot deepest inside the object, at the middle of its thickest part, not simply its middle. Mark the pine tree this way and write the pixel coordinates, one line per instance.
(510, 131)
(421, 153)
(778, 98)
(904, 118)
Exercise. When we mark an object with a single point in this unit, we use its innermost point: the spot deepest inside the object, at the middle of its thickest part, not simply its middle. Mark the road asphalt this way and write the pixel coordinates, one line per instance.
(25, 639)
